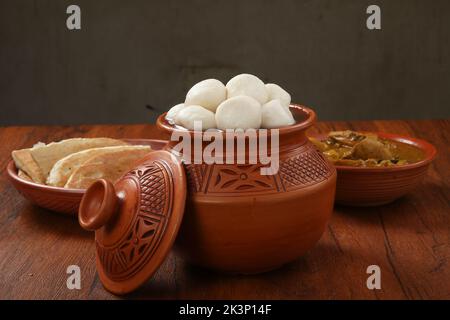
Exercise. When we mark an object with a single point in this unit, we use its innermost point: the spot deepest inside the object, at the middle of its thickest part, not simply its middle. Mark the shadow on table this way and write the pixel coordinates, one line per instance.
(295, 280)
(406, 212)
(52, 222)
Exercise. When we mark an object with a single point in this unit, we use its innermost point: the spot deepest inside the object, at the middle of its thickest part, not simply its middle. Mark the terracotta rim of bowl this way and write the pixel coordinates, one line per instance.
(428, 149)
(162, 123)
(13, 174)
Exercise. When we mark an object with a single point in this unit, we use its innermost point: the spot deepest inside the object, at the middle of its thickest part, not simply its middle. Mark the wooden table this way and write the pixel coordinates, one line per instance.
(408, 239)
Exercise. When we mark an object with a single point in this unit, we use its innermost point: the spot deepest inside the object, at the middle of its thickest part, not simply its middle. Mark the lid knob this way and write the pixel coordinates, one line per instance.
(98, 206)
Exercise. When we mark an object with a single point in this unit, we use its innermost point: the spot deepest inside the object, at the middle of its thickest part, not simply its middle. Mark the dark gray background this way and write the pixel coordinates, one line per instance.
(130, 54)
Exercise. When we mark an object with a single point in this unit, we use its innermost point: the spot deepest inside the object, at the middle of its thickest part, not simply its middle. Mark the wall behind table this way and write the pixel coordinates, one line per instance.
(130, 54)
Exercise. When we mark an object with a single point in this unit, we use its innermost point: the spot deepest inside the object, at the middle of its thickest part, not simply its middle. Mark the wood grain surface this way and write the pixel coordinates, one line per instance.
(408, 239)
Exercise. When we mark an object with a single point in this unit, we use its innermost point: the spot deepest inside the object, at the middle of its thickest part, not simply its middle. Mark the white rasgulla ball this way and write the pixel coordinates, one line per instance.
(277, 92)
(247, 85)
(241, 112)
(275, 115)
(207, 93)
(186, 117)
(174, 110)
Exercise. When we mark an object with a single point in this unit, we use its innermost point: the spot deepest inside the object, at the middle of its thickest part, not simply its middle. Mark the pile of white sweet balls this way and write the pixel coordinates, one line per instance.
(244, 103)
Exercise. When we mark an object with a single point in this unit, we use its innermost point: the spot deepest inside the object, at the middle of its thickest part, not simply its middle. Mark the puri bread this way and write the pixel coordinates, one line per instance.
(174, 110)
(110, 166)
(207, 93)
(276, 92)
(241, 112)
(247, 85)
(275, 115)
(25, 163)
(186, 117)
(47, 155)
(64, 167)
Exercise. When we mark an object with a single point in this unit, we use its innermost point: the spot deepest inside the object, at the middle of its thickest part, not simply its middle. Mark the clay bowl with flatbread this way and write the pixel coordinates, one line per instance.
(62, 200)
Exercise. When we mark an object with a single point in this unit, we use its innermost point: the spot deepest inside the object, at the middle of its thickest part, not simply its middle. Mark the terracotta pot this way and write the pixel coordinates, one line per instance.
(237, 220)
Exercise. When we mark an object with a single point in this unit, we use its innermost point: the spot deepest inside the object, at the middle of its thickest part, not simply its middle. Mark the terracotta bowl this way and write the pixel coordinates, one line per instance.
(359, 186)
(57, 199)
(239, 221)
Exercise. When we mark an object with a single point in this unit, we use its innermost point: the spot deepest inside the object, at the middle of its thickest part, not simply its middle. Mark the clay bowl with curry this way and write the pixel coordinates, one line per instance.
(374, 168)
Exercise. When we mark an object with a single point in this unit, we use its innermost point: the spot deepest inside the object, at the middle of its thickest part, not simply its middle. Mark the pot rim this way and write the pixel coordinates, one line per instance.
(310, 119)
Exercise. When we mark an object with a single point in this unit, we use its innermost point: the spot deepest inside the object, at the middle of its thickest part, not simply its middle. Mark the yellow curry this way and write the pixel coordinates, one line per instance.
(351, 148)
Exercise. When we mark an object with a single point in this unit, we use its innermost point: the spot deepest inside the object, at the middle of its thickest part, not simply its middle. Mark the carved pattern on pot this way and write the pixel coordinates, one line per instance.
(240, 178)
(307, 167)
(132, 252)
(196, 174)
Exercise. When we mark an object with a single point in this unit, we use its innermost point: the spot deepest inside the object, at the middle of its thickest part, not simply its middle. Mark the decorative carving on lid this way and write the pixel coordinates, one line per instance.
(133, 251)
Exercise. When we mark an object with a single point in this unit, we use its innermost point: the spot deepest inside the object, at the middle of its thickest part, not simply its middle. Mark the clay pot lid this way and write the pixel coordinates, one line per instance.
(136, 220)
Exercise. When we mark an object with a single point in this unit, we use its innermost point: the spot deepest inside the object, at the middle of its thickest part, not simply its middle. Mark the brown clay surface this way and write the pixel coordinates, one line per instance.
(408, 239)
(242, 222)
(136, 220)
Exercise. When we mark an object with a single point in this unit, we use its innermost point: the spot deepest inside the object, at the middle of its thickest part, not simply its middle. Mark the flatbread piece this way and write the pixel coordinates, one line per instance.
(110, 166)
(46, 156)
(64, 167)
